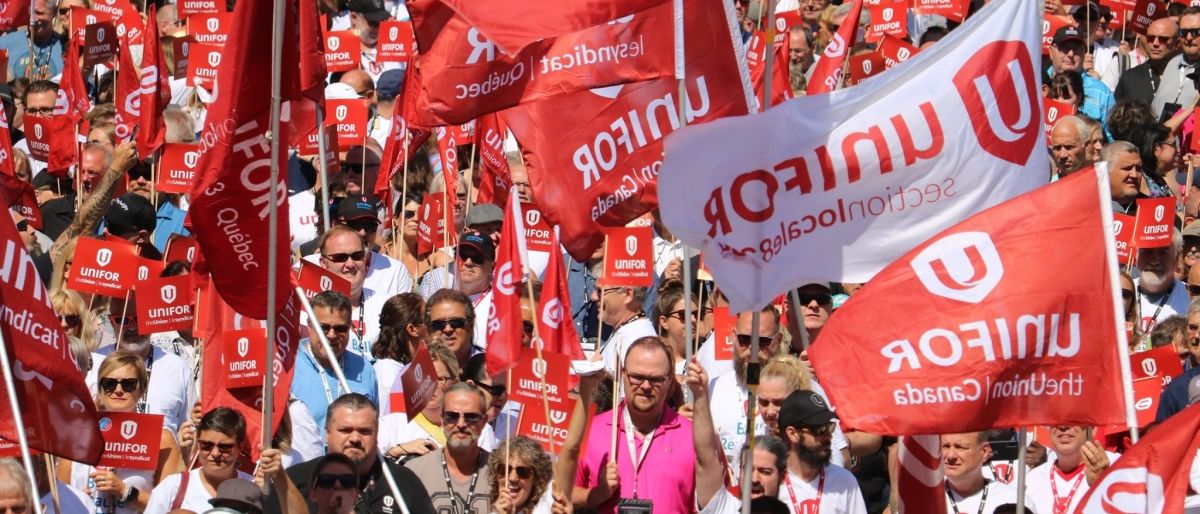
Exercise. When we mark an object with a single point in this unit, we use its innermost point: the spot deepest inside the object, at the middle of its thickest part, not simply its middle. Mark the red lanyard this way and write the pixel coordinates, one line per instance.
(1061, 504)
(796, 506)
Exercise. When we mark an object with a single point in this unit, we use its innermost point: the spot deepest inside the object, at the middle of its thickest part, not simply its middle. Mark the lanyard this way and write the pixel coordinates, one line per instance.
(1061, 503)
(142, 404)
(450, 488)
(792, 493)
(1161, 303)
(1182, 66)
(1003, 475)
(324, 376)
(982, 501)
(635, 456)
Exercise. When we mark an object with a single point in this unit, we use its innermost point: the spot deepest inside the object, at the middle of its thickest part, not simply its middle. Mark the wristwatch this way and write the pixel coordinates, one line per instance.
(130, 495)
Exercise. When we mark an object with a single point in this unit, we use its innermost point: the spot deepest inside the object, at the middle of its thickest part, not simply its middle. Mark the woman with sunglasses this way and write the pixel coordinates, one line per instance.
(74, 317)
(408, 217)
(121, 384)
(221, 435)
(63, 256)
(334, 485)
(1129, 305)
(522, 484)
(670, 316)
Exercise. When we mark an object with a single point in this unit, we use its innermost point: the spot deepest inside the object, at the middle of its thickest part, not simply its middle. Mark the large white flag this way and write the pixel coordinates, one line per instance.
(836, 186)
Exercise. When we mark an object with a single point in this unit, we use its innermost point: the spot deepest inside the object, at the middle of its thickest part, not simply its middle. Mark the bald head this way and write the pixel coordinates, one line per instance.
(1068, 144)
(1161, 38)
(360, 81)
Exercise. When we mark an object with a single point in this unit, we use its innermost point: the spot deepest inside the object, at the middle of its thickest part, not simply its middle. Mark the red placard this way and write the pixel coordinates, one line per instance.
(202, 69)
(895, 51)
(723, 340)
(99, 42)
(102, 267)
(177, 167)
(130, 440)
(9, 449)
(396, 42)
(81, 18)
(532, 422)
(1145, 13)
(786, 20)
(245, 356)
(1162, 363)
(1123, 230)
(865, 66)
(527, 377)
(1050, 25)
(1052, 111)
(955, 10)
(890, 17)
(431, 224)
(418, 381)
(188, 8)
(1146, 393)
(180, 248)
(210, 29)
(539, 236)
(1155, 222)
(343, 51)
(314, 279)
(180, 47)
(349, 118)
(146, 269)
(165, 304)
(628, 257)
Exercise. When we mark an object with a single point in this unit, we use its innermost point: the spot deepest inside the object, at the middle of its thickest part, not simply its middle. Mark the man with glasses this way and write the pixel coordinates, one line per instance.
(1175, 89)
(457, 477)
(1140, 82)
(816, 302)
(38, 101)
(656, 455)
(623, 309)
(450, 320)
(728, 392)
(352, 429)
(1067, 54)
(315, 382)
(813, 482)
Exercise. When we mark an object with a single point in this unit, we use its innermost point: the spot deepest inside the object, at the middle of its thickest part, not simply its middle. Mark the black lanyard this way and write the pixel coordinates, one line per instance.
(982, 501)
(142, 404)
(454, 495)
(1162, 303)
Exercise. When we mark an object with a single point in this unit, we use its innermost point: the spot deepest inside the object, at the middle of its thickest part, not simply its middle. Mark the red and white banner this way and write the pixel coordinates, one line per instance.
(1161, 363)
(628, 257)
(210, 29)
(80, 18)
(1152, 476)
(1054, 110)
(128, 19)
(447, 148)
(245, 357)
(131, 440)
(52, 141)
(343, 51)
(7, 166)
(314, 279)
(189, 8)
(72, 100)
(532, 423)
(204, 61)
(13, 14)
(982, 343)
(396, 41)
(230, 199)
(555, 326)
(103, 267)
(530, 371)
(180, 248)
(310, 81)
(920, 484)
(177, 167)
(155, 91)
(1123, 231)
(496, 177)
(431, 223)
(1155, 222)
(57, 408)
(756, 55)
(954, 10)
(504, 326)
(865, 66)
(827, 74)
(895, 51)
(871, 171)
(19, 196)
(99, 42)
(349, 116)
(418, 381)
(1050, 24)
(596, 154)
(723, 326)
(128, 95)
(888, 18)
(401, 145)
(539, 235)
(165, 304)
(1145, 13)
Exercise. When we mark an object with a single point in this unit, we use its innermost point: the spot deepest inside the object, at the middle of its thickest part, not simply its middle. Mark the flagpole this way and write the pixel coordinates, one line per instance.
(1110, 257)
(11, 390)
(752, 385)
(324, 172)
(1022, 447)
(272, 218)
(681, 74)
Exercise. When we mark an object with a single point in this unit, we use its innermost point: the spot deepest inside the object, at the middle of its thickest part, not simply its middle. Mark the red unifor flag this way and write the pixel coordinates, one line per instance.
(129, 95)
(496, 178)
(982, 343)
(828, 73)
(756, 55)
(58, 412)
(312, 51)
(231, 222)
(13, 14)
(596, 153)
(1152, 476)
(401, 145)
(19, 196)
(474, 79)
(504, 327)
(555, 327)
(515, 24)
(155, 91)
(920, 482)
(447, 147)
(7, 167)
(52, 141)
(72, 99)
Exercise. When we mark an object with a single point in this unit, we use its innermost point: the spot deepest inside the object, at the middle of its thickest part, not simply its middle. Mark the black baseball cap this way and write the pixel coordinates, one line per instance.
(372, 10)
(355, 207)
(805, 409)
(480, 243)
(130, 213)
(1065, 34)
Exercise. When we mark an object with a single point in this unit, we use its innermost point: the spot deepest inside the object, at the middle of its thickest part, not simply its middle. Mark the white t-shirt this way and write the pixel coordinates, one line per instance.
(308, 440)
(170, 383)
(72, 500)
(839, 494)
(708, 358)
(729, 401)
(483, 310)
(1176, 305)
(142, 479)
(1043, 481)
(195, 498)
(724, 502)
(997, 494)
(622, 338)
(303, 218)
(386, 373)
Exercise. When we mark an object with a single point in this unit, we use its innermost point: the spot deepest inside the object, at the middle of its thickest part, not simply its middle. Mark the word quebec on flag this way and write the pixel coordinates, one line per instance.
(848, 181)
(996, 330)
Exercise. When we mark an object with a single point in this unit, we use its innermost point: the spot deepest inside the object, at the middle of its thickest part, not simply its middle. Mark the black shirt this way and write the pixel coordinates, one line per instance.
(374, 486)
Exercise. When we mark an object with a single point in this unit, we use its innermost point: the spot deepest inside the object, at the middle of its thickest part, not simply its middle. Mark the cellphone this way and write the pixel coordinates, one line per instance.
(1004, 450)
(634, 506)
(1169, 110)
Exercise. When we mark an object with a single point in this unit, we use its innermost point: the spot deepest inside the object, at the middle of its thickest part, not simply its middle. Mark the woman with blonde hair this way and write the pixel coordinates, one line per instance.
(74, 317)
(97, 305)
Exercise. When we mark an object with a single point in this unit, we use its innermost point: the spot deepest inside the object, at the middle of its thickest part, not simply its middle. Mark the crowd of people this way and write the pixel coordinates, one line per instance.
(656, 432)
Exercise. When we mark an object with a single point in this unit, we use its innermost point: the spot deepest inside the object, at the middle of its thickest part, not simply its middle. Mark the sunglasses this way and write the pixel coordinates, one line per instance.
(523, 472)
(471, 418)
(1128, 293)
(1159, 39)
(820, 298)
(340, 329)
(109, 385)
(527, 327)
(343, 257)
(330, 480)
(367, 226)
(224, 448)
(822, 430)
(72, 320)
(744, 340)
(1189, 33)
(475, 257)
(22, 226)
(679, 314)
(440, 324)
(135, 174)
(494, 389)
(409, 214)
(123, 320)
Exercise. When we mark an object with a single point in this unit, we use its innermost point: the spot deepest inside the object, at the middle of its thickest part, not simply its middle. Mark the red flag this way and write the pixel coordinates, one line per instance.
(1152, 475)
(52, 141)
(129, 95)
(496, 178)
(20, 197)
(13, 14)
(756, 55)
(312, 52)
(982, 343)
(920, 484)
(155, 91)
(448, 154)
(514, 24)
(7, 166)
(828, 73)
(504, 328)
(230, 221)
(72, 100)
(474, 79)
(59, 415)
(402, 143)
(595, 154)
(555, 326)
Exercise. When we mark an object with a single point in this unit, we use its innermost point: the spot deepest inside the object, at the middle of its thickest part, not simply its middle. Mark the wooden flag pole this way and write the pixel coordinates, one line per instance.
(19, 422)
(1022, 447)
(55, 499)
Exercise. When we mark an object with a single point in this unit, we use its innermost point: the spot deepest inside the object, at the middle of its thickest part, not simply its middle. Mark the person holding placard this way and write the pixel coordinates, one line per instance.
(221, 435)
(121, 385)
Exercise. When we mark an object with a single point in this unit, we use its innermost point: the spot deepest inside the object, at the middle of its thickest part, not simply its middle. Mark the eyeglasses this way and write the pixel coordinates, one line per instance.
(141, 173)
(744, 340)
(440, 324)
(1189, 33)
(22, 226)
(679, 314)
(523, 472)
(330, 480)
(123, 320)
(527, 327)
(343, 257)
(474, 257)
(409, 214)
(129, 385)
(1127, 294)
(1159, 39)
(820, 298)
(471, 418)
(494, 389)
(224, 448)
(340, 329)
(638, 380)
(368, 226)
(72, 320)
(64, 10)
(39, 111)
(822, 430)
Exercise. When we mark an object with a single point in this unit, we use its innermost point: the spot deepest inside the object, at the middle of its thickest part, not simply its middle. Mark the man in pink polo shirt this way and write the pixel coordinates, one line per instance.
(656, 457)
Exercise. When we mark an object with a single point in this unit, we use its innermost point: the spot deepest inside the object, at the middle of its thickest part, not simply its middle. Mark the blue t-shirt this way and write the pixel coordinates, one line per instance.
(317, 387)
(46, 62)
(1175, 396)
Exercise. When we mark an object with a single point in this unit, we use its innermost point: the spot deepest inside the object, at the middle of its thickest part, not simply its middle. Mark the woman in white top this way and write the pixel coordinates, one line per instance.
(522, 484)
(221, 434)
(401, 332)
(121, 384)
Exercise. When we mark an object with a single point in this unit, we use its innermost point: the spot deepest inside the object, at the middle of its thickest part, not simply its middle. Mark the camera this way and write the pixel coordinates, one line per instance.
(634, 506)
